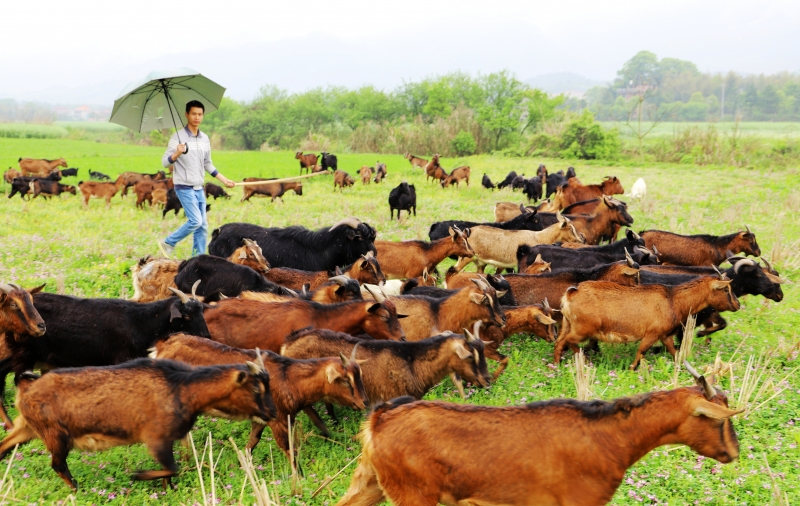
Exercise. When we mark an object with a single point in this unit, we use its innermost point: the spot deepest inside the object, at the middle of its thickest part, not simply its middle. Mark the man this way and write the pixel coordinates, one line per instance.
(190, 160)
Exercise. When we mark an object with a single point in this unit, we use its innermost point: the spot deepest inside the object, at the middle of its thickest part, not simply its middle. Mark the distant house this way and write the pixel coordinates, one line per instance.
(82, 113)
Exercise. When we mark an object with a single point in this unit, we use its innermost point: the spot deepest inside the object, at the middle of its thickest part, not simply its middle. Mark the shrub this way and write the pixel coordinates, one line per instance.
(464, 144)
(586, 139)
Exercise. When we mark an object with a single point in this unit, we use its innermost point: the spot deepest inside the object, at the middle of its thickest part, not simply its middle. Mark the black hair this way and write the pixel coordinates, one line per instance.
(194, 103)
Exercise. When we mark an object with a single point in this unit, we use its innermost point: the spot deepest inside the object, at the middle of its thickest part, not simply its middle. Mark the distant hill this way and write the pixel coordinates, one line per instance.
(564, 82)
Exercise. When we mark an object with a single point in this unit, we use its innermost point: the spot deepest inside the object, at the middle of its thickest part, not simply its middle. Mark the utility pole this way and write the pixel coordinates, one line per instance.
(722, 114)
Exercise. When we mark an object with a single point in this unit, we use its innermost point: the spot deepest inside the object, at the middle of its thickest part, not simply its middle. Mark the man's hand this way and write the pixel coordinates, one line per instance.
(179, 151)
(227, 182)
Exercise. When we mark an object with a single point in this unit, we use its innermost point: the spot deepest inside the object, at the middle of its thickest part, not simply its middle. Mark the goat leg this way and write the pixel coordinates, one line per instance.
(256, 429)
(162, 452)
(59, 448)
(331, 412)
(317, 421)
(459, 384)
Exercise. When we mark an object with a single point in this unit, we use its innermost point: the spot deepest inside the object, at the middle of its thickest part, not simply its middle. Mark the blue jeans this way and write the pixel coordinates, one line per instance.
(194, 206)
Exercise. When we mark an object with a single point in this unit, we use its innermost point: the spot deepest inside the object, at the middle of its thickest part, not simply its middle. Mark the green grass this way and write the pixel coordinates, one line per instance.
(91, 253)
(767, 129)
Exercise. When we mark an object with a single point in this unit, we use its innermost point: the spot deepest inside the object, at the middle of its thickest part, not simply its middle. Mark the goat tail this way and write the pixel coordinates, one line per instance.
(20, 159)
(24, 379)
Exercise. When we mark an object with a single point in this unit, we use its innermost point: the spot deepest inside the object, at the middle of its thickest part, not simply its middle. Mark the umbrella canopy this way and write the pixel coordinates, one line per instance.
(159, 100)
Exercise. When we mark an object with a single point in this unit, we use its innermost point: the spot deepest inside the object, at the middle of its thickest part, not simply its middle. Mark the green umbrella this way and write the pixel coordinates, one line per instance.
(159, 100)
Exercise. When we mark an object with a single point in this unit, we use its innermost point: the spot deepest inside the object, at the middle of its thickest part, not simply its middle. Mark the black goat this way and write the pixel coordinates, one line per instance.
(297, 247)
(507, 181)
(588, 257)
(487, 183)
(403, 198)
(215, 191)
(533, 188)
(99, 176)
(554, 181)
(174, 204)
(329, 161)
(526, 221)
(218, 275)
(69, 172)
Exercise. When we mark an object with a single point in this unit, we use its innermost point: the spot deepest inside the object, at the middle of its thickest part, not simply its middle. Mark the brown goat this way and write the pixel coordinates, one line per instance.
(342, 179)
(430, 316)
(528, 289)
(40, 167)
(153, 277)
(498, 247)
(416, 162)
(295, 385)
(95, 189)
(18, 316)
(308, 161)
(574, 191)
(456, 176)
(10, 174)
(391, 368)
(144, 189)
(700, 249)
(408, 259)
(433, 170)
(154, 402)
(159, 197)
(610, 312)
(431, 452)
(273, 190)
(609, 215)
(252, 324)
(366, 173)
(364, 270)
(336, 289)
(539, 266)
(505, 211)
(129, 179)
(534, 319)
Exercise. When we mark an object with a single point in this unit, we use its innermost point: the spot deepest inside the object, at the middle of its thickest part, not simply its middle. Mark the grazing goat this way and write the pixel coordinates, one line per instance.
(574, 191)
(273, 190)
(456, 176)
(524, 221)
(455, 280)
(582, 258)
(506, 211)
(700, 249)
(152, 277)
(342, 179)
(487, 183)
(364, 270)
(93, 189)
(608, 216)
(554, 182)
(365, 173)
(295, 385)
(498, 247)
(215, 191)
(298, 247)
(402, 198)
(252, 324)
(610, 312)
(98, 176)
(392, 368)
(144, 190)
(416, 162)
(533, 188)
(40, 167)
(541, 172)
(11, 174)
(329, 161)
(380, 172)
(50, 188)
(408, 259)
(430, 316)
(431, 452)
(308, 161)
(154, 402)
(507, 181)
(129, 179)
(434, 171)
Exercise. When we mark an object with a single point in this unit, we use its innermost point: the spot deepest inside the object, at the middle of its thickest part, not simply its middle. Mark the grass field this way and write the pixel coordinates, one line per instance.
(89, 253)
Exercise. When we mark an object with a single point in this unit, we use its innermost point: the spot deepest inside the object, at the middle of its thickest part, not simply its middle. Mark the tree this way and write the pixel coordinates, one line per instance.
(501, 110)
(540, 107)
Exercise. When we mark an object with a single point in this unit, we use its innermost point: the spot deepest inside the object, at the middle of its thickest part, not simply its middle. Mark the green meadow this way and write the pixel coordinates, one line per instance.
(89, 253)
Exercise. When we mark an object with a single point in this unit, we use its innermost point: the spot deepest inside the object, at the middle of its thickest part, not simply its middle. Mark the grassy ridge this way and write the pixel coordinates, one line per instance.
(89, 253)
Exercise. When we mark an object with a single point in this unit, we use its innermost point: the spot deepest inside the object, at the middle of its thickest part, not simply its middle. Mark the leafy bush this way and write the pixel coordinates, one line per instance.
(586, 139)
(464, 144)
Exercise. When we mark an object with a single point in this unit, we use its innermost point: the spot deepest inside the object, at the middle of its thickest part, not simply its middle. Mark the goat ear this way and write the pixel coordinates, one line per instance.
(477, 298)
(462, 352)
(399, 316)
(241, 378)
(715, 411)
(501, 293)
(543, 318)
(37, 289)
(242, 255)
(331, 373)
(374, 307)
(720, 284)
(174, 312)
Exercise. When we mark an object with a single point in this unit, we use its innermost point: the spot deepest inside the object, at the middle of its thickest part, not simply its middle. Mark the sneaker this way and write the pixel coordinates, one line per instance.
(166, 249)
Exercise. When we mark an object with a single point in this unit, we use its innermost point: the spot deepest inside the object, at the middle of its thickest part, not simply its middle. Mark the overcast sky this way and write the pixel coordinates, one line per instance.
(87, 50)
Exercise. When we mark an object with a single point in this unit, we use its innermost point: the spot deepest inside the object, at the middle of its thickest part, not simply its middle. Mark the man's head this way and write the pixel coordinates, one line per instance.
(194, 113)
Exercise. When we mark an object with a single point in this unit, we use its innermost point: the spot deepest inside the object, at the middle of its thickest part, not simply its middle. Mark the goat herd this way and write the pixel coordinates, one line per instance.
(275, 320)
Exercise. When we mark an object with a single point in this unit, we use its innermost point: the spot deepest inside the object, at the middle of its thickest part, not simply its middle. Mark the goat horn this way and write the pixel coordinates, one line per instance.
(260, 359)
(184, 298)
(304, 289)
(6, 288)
(522, 208)
(476, 329)
(15, 286)
(546, 305)
(469, 337)
(717, 271)
(353, 355)
(559, 216)
(339, 280)
(345, 360)
(194, 289)
(294, 294)
(629, 258)
(742, 262)
(708, 390)
(655, 250)
(375, 294)
(691, 369)
(769, 267)
(747, 228)
(479, 281)
(350, 222)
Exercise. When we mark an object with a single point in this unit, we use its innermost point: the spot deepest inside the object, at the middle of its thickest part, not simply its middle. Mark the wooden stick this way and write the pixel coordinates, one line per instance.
(283, 180)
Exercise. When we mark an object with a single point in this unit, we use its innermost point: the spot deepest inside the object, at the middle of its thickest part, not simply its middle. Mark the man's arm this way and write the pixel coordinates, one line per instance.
(209, 166)
(174, 151)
